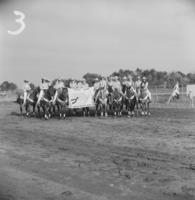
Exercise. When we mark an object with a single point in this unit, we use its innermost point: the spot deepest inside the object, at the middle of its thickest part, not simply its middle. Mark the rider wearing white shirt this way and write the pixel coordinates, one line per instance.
(124, 84)
(129, 80)
(176, 90)
(84, 84)
(103, 84)
(45, 83)
(27, 89)
(117, 84)
(138, 85)
(96, 87)
(59, 84)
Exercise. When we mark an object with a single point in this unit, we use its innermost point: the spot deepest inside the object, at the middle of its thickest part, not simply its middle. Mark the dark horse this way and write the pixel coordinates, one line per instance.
(46, 101)
(117, 102)
(61, 100)
(32, 100)
(130, 100)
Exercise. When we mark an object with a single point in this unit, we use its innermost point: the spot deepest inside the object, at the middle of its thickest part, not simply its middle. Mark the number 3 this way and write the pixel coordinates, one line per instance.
(20, 21)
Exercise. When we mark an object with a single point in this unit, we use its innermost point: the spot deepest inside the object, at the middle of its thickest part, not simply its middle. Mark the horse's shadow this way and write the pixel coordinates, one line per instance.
(16, 114)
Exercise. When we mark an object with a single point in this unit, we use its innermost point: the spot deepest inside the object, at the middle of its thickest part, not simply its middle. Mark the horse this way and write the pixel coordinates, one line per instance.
(130, 100)
(46, 101)
(61, 100)
(101, 102)
(117, 102)
(144, 101)
(110, 97)
(32, 100)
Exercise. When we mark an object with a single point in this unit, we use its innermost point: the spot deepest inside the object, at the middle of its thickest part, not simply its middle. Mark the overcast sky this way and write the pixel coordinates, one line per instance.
(69, 38)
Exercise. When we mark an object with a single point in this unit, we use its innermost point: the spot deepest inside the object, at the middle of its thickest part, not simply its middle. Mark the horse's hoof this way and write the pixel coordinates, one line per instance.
(64, 116)
(106, 114)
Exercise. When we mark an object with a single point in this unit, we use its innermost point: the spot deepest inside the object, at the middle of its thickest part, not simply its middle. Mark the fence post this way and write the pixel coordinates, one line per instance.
(156, 96)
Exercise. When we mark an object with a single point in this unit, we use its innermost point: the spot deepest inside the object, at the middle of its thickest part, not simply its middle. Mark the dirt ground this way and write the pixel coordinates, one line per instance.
(145, 158)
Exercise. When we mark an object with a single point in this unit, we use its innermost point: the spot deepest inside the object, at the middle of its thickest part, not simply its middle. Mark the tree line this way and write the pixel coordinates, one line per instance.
(155, 78)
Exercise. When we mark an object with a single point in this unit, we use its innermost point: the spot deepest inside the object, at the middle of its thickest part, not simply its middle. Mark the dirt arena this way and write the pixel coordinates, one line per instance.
(145, 158)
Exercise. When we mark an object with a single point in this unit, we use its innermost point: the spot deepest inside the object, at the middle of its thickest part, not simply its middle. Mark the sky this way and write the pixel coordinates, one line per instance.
(68, 38)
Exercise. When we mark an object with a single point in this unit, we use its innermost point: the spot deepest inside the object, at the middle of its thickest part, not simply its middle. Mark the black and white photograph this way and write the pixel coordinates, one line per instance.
(97, 100)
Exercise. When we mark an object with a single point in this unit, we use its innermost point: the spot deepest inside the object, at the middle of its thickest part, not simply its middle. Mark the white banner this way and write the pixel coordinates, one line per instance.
(81, 98)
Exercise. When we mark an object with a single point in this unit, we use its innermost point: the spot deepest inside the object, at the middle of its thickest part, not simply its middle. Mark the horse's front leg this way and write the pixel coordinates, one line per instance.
(64, 111)
(106, 110)
(39, 111)
(119, 109)
(148, 108)
(27, 109)
(34, 106)
(102, 109)
(96, 109)
(21, 109)
(128, 108)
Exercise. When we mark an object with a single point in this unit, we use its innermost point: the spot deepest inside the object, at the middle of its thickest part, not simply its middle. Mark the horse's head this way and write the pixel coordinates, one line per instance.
(116, 94)
(49, 93)
(63, 93)
(129, 92)
(34, 93)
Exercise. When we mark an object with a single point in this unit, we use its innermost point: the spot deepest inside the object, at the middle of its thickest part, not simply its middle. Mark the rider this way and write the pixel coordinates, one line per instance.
(27, 89)
(103, 83)
(59, 85)
(176, 90)
(124, 84)
(96, 87)
(84, 84)
(73, 84)
(110, 84)
(45, 83)
(138, 86)
(117, 85)
(144, 87)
